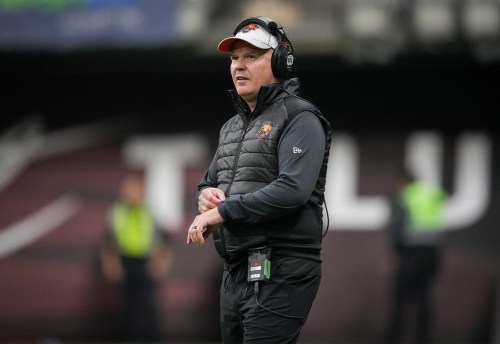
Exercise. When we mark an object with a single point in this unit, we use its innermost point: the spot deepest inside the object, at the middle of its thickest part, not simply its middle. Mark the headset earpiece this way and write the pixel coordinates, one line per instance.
(283, 62)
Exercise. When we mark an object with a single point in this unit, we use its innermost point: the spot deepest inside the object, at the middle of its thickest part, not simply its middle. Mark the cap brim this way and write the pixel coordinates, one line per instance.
(226, 45)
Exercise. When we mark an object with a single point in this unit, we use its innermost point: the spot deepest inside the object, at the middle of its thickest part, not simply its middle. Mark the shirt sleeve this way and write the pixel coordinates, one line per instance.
(300, 156)
(209, 179)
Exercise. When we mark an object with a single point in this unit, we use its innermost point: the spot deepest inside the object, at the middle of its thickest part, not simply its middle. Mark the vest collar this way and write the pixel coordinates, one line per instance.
(267, 95)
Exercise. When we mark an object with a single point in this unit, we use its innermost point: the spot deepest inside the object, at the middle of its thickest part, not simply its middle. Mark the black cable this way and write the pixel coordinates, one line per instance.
(327, 220)
(256, 291)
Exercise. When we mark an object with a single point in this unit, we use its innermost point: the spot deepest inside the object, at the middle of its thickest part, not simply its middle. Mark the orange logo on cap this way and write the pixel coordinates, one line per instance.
(250, 27)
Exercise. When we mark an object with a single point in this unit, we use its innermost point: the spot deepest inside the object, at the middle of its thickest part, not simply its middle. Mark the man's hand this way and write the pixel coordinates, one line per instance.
(210, 198)
(203, 225)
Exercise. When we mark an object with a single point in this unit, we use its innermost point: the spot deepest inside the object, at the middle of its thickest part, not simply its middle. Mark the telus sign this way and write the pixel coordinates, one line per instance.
(165, 159)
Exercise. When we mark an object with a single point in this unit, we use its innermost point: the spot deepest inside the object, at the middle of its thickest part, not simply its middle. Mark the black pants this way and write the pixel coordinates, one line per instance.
(411, 290)
(138, 292)
(290, 291)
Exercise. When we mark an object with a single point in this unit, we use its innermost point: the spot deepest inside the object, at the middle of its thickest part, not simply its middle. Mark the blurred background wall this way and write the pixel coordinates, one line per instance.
(94, 88)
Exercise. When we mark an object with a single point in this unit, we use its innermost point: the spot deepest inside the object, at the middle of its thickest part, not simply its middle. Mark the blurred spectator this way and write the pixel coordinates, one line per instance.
(135, 255)
(416, 243)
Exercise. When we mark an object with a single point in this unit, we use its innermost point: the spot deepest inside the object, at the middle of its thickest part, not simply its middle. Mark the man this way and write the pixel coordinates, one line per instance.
(416, 238)
(135, 255)
(264, 190)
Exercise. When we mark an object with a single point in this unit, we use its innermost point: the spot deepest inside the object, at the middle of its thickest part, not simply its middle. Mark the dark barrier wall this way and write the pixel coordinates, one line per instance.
(450, 93)
(78, 123)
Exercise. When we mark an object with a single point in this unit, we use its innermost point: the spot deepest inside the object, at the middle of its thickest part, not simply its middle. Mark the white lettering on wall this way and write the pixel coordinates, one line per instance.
(424, 156)
(346, 208)
(472, 181)
(165, 158)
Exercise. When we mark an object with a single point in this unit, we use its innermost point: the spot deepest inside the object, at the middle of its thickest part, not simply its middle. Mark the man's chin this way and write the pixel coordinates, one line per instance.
(243, 92)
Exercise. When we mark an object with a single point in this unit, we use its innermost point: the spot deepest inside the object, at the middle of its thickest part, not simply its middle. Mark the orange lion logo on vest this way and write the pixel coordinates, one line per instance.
(264, 130)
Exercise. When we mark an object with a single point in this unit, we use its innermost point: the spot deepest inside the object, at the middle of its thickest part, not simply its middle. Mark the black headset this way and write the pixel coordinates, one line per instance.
(283, 62)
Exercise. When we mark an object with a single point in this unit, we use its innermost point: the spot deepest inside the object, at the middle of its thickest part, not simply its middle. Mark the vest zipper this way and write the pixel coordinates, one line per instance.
(245, 129)
(246, 121)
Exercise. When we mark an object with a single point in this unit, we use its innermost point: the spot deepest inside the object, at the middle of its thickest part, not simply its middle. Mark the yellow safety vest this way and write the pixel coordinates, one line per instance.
(424, 206)
(134, 230)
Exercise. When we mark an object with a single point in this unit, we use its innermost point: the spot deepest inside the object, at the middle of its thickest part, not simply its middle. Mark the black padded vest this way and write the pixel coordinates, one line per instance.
(248, 160)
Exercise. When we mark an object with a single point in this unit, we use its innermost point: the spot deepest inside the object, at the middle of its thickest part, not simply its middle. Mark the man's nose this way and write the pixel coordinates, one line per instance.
(239, 64)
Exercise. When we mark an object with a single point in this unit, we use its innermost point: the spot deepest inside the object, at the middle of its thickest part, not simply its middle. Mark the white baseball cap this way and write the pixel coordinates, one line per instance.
(252, 33)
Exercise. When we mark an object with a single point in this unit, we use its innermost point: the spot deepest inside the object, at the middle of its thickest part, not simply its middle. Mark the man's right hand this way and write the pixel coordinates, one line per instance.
(209, 198)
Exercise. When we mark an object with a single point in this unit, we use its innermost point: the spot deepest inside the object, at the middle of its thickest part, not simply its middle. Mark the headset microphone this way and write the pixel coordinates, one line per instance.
(273, 27)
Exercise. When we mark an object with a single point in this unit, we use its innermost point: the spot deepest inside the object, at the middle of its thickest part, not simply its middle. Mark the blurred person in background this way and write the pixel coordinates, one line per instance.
(263, 192)
(135, 255)
(415, 237)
